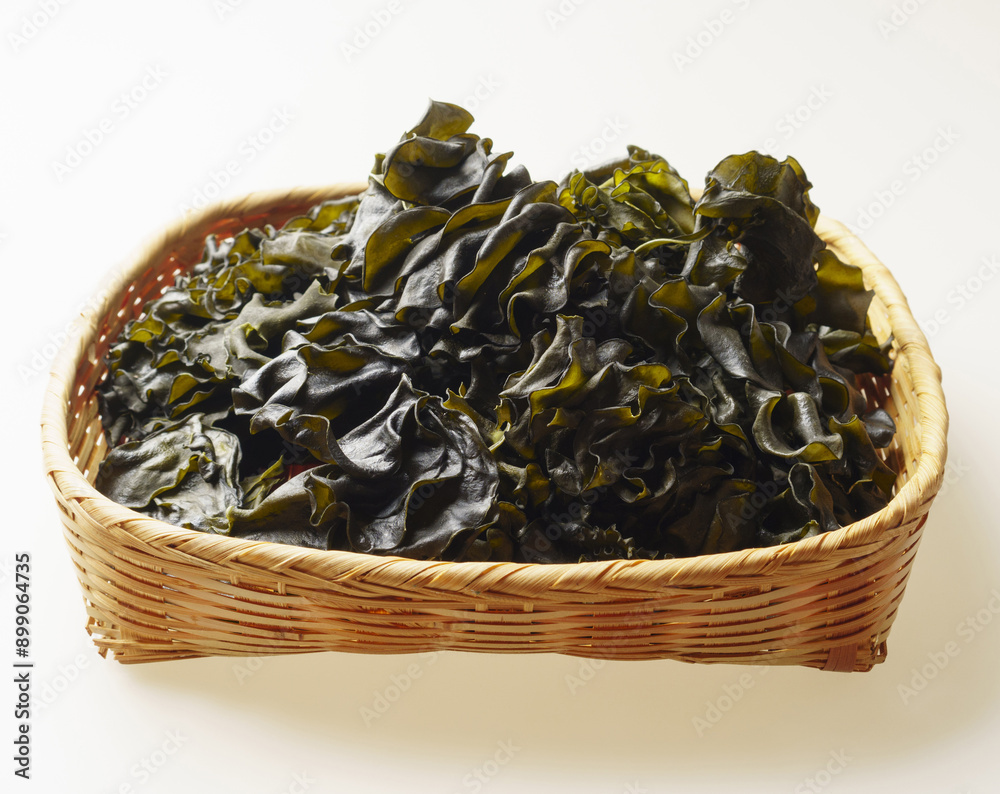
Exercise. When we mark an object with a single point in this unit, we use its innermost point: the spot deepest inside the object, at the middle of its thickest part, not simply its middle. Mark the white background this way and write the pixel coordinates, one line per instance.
(893, 114)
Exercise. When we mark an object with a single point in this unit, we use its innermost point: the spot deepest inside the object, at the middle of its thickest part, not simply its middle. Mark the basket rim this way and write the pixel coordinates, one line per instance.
(68, 481)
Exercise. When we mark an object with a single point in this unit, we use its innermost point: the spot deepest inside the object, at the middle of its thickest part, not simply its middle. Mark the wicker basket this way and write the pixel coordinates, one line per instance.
(155, 592)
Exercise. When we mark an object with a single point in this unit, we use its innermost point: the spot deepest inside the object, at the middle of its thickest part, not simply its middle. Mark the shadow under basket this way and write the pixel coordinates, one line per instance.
(155, 592)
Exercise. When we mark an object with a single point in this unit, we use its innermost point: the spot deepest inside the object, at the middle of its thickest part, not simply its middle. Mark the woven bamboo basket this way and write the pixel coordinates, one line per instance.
(157, 592)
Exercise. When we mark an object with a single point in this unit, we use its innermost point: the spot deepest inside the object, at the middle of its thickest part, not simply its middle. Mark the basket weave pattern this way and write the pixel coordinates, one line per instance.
(156, 592)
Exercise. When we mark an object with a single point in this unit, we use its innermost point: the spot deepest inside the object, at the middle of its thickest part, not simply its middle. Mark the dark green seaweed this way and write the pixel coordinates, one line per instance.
(464, 364)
